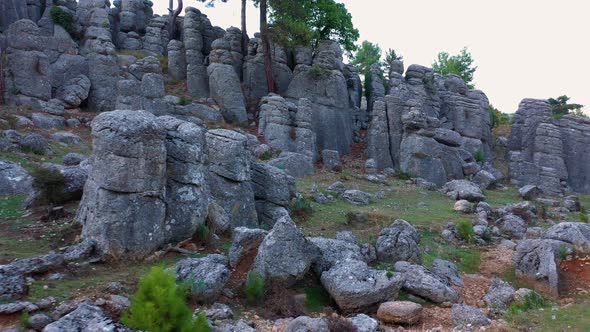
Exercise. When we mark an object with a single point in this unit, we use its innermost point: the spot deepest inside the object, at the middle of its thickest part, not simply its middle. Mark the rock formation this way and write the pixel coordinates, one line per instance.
(550, 153)
(430, 126)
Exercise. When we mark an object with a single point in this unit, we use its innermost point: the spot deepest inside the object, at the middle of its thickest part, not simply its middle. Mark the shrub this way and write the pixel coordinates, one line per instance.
(203, 233)
(184, 100)
(465, 229)
(267, 155)
(24, 320)
(479, 156)
(50, 184)
(317, 72)
(346, 174)
(402, 175)
(159, 305)
(302, 208)
(254, 288)
(563, 252)
(341, 324)
(531, 301)
(389, 274)
(584, 217)
(62, 18)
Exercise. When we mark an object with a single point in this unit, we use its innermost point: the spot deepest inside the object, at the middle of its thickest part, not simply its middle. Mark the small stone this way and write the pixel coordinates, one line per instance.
(400, 312)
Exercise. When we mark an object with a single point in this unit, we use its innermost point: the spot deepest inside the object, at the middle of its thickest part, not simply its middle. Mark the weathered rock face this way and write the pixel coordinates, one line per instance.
(285, 255)
(14, 10)
(286, 126)
(98, 49)
(206, 276)
(540, 259)
(123, 206)
(399, 242)
(225, 89)
(14, 179)
(429, 126)
(325, 85)
(423, 283)
(552, 154)
(194, 44)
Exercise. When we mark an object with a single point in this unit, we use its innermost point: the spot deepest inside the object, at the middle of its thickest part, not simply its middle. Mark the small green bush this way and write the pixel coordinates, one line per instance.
(62, 18)
(267, 155)
(302, 207)
(317, 72)
(402, 175)
(159, 306)
(346, 175)
(203, 233)
(389, 274)
(465, 229)
(563, 252)
(531, 301)
(24, 320)
(479, 156)
(584, 217)
(254, 288)
(50, 184)
(184, 100)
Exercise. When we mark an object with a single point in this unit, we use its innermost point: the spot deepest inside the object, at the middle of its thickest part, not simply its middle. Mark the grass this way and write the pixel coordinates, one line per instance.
(29, 161)
(530, 302)
(575, 318)
(499, 198)
(467, 260)
(316, 299)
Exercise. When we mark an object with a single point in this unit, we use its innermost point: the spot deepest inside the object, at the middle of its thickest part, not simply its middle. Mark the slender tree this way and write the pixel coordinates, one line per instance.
(173, 14)
(2, 88)
(245, 39)
(270, 80)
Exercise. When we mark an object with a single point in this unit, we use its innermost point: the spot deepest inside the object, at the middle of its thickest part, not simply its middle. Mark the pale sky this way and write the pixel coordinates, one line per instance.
(523, 48)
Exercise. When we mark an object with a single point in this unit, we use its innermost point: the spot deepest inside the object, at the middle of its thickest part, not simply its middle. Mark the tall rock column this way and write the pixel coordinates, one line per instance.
(98, 48)
(196, 71)
(123, 207)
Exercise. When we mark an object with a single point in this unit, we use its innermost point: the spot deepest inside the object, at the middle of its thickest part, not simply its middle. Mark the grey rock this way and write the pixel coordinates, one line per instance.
(219, 311)
(399, 242)
(35, 143)
(347, 236)
(225, 88)
(308, 324)
(285, 255)
(39, 321)
(354, 285)
(53, 107)
(85, 318)
(295, 164)
(364, 323)
(217, 218)
(203, 112)
(16, 307)
(574, 233)
(331, 160)
(14, 179)
(12, 286)
(206, 276)
(400, 312)
(228, 155)
(46, 121)
(272, 184)
(463, 206)
(530, 192)
(463, 189)
(75, 91)
(447, 270)
(73, 159)
(334, 252)
(425, 284)
(337, 188)
(244, 241)
(465, 316)
(66, 137)
(356, 197)
(484, 179)
(500, 295)
(512, 225)
(540, 259)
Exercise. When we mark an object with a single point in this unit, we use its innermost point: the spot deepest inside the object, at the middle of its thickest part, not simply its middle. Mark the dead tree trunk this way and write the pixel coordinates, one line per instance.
(173, 14)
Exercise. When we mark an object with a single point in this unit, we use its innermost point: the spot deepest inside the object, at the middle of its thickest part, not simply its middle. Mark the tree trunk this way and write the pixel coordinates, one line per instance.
(266, 46)
(2, 89)
(173, 14)
(245, 39)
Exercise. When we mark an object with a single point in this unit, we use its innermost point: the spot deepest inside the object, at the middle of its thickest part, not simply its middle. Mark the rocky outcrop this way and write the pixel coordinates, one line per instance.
(429, 126)
(539, 259)
(550, 153)
(325, 85)
(14, 10)
(399, 242)
(14, 179)
(225, 89)
(421, 282)
(205, 276)
(194, 44)
(287, 126)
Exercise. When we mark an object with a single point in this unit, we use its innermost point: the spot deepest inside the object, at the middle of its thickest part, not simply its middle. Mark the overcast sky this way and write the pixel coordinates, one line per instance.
(523, 48)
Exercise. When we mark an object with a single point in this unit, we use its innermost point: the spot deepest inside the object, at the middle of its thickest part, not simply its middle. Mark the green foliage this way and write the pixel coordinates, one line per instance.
(184, 100)
(366, 55)
(560, 106)
(201, 323)
(62, 18)
(159, 305)
(389, 274)
(316, 299)
(498, 118)
(584, 217)
(531, 301)
(479, 156)
(563, 252)
(402, 175)
(50, 184)
(346, 174)
(203, 233)
(465, 229)
(391, 56)
(267, 155)
(254, 288)
(302, 207)
(24, 319)
(306, 22)
(460, 64)
(318, 72)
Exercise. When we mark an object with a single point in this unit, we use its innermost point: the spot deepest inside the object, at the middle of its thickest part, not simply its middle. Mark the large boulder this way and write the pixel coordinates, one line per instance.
(463, 189)
(334, 252)
(285, 255)
(448, 271)
(354, 285)
(205, 276)
(399, 242)
(272, 184)
(14, 179)
(244, 241)
(421, 282)
(539, 259)
(225, 88)
(465, 316)
(122, 207)
(574, 233)
(75, 91)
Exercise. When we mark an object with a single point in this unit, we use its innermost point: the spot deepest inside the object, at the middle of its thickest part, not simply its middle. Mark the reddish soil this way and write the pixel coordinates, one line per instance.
(496, 260)
(575, 276)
